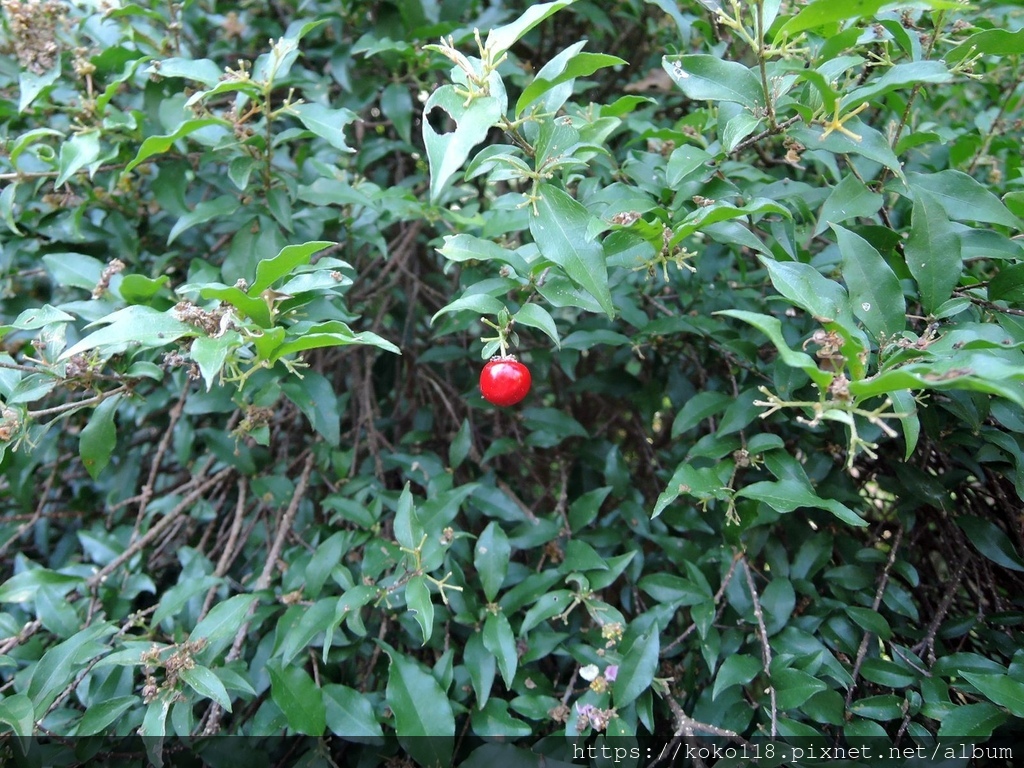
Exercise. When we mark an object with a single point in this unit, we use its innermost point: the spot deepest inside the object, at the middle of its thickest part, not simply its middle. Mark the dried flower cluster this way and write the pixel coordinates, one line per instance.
(33, 25)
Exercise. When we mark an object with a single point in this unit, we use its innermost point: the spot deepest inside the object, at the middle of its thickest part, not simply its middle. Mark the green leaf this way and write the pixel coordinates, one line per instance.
(499, 640)
(417, 599)
(76, 153)
(580, 65)
(737, 669)
(849, 199)
(328, 124)
(138, 289)
(904, 75)
(972, 721)
(703, 77)
(204, 71)
(134, 327)
(670, 588)
(220, 625)
(786, 495)
(547, 606)
(446, 152)
(269, 271)
(299, 698)
(218, 208)
(59, 664)
(333, 333)
(875, 292)
(793, 687)
(502, 38)
(904, 404)
(1001, 689)
(870, 621)
(205, 683)
(102, 714)
(23, 586)
(421, 709)
(98, 438)
(1007, 285)
(315, 397)
(490, 557)
(463, 247)
(209, 353)
(16, 711)
(636, 671)
(349, 713)
(806, 287)
(772, 328)
(823, 13)
(407, 527)
(31, 84)
(963, 197)
(933, 252)
(872, 143)
(561, 230)
(991, 542)
(155, 145)
(535, 316)
(494, 721)
(992, 42)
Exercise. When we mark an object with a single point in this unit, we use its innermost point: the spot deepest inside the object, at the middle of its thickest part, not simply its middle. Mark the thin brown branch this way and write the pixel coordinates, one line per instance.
(766, 650)
(158, 528)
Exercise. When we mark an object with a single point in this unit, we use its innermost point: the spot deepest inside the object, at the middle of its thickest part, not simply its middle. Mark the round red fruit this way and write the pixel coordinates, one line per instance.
(504, 381)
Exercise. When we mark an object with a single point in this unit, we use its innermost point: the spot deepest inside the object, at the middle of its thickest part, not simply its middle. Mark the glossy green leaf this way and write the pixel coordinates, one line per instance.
(208, 685)
(736, 670)
(219, 626)
(963, 197)
(104, 713)
(417, 599)
(328, 124)
(786, 495)
(349, 713)
(294, 691)
(708, 78)
(875, 293)
(491, 558)
(849, 199)
(448, 151)
(156, 145)
(580, 65)
(421, 709)
(535, 316)
(637, 669)
(561, 230)
(134, 327)
(98, 438)
(502, 38)
(499, 640)
(933, 252)
(290, 258)
(16, 711)
(992, 542)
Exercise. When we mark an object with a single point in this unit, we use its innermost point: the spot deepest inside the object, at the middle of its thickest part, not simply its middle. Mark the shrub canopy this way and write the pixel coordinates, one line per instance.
(763, 261)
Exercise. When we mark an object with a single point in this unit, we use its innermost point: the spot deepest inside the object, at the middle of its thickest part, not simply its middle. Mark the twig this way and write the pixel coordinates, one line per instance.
(158, 528)
(883, 581)
(779, 128)
(161, 449)
(229, 554)
(64, 407)
(766, 650)
(214, 713)
(718, 597)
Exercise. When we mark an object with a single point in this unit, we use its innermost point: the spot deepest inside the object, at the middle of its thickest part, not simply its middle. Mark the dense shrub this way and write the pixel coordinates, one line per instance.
(762, 259)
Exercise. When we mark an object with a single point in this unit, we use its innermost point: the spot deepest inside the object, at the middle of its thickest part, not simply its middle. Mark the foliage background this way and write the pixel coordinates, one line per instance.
(777, 494)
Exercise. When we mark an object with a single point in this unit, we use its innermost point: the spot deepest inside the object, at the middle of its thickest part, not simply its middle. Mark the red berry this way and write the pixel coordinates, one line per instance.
(504, 381)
